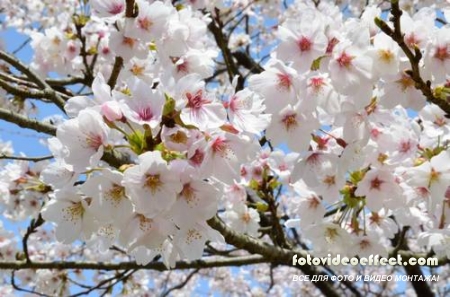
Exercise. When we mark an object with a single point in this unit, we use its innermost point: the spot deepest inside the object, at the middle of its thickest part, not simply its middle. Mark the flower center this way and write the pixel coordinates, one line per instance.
(434, 176)
(116, 193)
(442, 53)
(405, 82)
(364, 244)
(290, 121)
(345, 61)
(137, 70)
(284, 81)
(94, 141)
(376, 183)
(196, 101)
(73, 212)
(179, 137)
(128, 42)
(188, 193)
(220, 146)
(145, 114)
(246, 217)
(386, 55)
(153, 182)
(145, 24)
(304, 44)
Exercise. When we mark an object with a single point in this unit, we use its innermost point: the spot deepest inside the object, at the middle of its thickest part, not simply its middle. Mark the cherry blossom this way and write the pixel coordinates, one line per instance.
(151, 184)
(85, 138)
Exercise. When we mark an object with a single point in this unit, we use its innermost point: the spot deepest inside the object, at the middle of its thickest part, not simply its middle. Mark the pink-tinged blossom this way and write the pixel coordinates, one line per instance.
(193, 61)
(328, 238)
(108, 8)
(184, 31)
(292, 127)
(243, 219)
(112, 111)
(278, 85)
(320, 93)
(127, 47)
(400, 89)
(198, 199)
(177, 138)
(234, 194)
(109, 201)
(72, 216)
(434, 175)
(350, 68)
(226, 152)
(198, 107)
(151, 21)
(382, 224)
(282, 164)
(301, 42)
(435, 125)
(385, 54)
(85, 138)
(151, 185)
(380, 189)
(417, 31)
(102, 95)
(190, 240)
(307, 206)
(145, 104)
(438, 55)
(245, 112)
(147, 237)
(367, 245)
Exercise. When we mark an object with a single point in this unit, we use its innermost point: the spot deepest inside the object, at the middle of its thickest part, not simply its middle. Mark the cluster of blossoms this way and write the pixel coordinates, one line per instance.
(146, 160)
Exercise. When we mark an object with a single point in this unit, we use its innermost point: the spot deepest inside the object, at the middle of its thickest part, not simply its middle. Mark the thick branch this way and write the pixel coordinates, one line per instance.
(113, 158)
(422, 288)
(158, 266)
(34, 78)
(25, 93)
(273, 254)
(25, 122)
(118, 64)
(216, 27)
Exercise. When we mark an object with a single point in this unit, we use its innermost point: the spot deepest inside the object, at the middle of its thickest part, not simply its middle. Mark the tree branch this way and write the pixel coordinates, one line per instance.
(273, 254)
(158, 266)
(34, 78)
(31, 159)
(414, 58)
(182, 284)
(25, 122)
(118, 63)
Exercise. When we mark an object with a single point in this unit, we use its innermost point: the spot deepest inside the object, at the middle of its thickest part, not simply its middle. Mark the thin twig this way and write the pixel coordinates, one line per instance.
(182, 284)
(413, 57)
(31, 159)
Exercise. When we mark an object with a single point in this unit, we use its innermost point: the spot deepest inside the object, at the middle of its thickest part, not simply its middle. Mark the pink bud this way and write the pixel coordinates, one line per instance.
(112, 111)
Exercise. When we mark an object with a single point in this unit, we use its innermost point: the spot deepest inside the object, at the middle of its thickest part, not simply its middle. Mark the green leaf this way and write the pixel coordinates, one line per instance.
(316, 63)
(169, 106)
